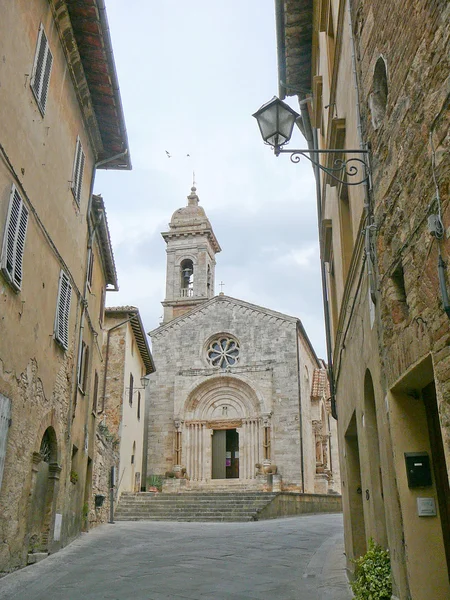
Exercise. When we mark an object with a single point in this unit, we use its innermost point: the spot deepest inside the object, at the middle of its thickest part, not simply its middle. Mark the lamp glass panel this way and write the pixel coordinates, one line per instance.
(267, 121)
(286, 120)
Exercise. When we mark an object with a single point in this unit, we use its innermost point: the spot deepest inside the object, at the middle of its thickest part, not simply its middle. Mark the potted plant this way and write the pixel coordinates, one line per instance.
(154, 483)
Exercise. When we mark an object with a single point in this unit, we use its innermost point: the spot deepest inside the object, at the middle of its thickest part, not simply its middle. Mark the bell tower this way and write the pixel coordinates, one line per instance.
(191, 250)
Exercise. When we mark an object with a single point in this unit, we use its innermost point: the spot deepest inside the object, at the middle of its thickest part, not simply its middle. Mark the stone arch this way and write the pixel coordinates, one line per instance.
(222, 402)
(204, 400)
(49, 421)
(374, 462)
(379, 94)
(45, 473)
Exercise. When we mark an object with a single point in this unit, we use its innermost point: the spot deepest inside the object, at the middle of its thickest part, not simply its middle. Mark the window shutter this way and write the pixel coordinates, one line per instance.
(41, 70)
(130, 392)
(14, 241)
(5, 416)
(78, 169)
(95, 394)
(63, 311)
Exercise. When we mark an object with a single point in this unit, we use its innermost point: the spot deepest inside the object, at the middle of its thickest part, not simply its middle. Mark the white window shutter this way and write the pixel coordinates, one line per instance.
(78, 170)
(43, 61)
(5, 420)
(14, 240)
(63, 311)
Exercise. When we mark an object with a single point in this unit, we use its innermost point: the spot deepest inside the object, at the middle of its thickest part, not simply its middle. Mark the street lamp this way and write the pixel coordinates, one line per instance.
(144, 384)
(276, 121)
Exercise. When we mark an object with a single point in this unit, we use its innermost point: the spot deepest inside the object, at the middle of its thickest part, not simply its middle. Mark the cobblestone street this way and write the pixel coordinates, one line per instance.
(286, 559)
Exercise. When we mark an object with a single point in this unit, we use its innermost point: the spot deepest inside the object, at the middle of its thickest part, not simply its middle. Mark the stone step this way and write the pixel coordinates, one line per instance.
(206, 506)
(171, 517)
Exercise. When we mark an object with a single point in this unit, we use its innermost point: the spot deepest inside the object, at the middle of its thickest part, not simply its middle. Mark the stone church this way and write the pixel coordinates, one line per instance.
(238, 393)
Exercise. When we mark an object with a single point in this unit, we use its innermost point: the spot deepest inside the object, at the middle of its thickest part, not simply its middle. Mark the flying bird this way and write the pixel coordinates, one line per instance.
(168, 154)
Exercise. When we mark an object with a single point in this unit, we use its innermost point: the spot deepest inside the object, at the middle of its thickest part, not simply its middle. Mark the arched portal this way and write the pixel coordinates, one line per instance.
(45, 474)
(221, 430)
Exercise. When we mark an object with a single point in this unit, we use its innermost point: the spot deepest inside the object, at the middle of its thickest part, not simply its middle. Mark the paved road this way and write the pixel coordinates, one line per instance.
(297, 558)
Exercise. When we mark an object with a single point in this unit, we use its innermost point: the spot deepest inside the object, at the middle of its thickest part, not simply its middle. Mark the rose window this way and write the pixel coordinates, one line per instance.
(223, 352)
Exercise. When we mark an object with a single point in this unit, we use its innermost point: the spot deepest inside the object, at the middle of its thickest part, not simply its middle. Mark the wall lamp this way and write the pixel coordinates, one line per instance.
(144, 384)
(276, 121)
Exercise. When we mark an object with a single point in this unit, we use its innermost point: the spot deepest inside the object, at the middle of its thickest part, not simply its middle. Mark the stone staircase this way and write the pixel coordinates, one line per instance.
(192, 506)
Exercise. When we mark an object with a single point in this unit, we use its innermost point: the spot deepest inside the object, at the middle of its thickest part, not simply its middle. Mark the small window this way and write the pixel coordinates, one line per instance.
(78, 169)
(14, 239)
(379, 94)
(102, 307)
(139, 407)
(90, 268)
(83, 367)
(95, 394)
(130, 391)
(187, 278)
(63, 311)
(42, 67)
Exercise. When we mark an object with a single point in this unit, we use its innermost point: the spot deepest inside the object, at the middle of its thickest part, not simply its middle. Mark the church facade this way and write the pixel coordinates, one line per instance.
(238, 391)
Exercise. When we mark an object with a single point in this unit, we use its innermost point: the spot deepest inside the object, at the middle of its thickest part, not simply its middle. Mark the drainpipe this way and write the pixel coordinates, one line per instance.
(84, 303)
(300, 413)
(367, 185)
(312, 141)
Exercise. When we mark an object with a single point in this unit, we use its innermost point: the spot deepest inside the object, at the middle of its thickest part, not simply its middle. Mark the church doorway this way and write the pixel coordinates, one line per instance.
(225, 454)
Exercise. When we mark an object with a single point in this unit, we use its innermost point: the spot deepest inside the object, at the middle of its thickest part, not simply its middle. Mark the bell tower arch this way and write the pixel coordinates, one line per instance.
(191, 250)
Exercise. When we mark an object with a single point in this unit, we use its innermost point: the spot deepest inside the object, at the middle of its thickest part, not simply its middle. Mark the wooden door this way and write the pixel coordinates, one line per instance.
(219, 448)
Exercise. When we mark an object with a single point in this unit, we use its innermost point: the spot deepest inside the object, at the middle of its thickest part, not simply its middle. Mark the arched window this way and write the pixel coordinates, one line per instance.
(378, 97)
(187, 278)
(208, 281)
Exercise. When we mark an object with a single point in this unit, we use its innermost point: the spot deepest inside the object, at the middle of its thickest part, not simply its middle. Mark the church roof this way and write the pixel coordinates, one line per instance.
(320, 386)
(274, 315)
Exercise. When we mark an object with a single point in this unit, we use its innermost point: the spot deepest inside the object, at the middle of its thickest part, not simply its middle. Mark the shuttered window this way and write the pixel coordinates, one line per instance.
(5, 420)
(78, 169)
(63, 311)
(14, 239)
(43, 61)
(83, 367)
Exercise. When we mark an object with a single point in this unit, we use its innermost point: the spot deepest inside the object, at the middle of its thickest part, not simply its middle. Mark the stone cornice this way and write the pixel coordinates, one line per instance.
(193, 232)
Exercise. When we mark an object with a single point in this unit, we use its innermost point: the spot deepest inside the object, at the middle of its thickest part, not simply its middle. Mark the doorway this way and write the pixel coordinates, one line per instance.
(225, 454)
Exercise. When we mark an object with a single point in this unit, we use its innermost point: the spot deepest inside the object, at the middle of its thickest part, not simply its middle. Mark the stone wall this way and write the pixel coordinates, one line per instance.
(106, 456)
(291, 504)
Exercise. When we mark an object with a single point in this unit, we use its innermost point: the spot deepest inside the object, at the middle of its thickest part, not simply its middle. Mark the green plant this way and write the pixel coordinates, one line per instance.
(85, 510)
(73, 476)
(155, 481)
(373, 574)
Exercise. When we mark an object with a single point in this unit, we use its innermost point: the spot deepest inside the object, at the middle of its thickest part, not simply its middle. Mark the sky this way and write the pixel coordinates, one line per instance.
(191, 75)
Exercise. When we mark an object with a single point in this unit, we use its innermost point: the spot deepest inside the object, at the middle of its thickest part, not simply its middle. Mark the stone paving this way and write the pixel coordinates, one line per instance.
(297, 558)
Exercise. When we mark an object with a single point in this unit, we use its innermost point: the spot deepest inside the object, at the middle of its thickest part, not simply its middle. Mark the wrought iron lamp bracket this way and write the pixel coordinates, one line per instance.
(344, 171)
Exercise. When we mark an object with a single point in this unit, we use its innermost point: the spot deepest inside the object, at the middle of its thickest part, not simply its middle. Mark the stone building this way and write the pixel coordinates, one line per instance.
(238, 391)
(61, 120)
(375, 75)
(128, 361)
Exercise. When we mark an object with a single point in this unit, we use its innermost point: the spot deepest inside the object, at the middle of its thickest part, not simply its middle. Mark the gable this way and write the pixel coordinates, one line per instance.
(222, 305)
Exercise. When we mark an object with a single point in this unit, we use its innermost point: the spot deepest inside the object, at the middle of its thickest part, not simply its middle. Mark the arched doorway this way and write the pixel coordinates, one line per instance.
(219, 432)
(45, 475)
(374, 495)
